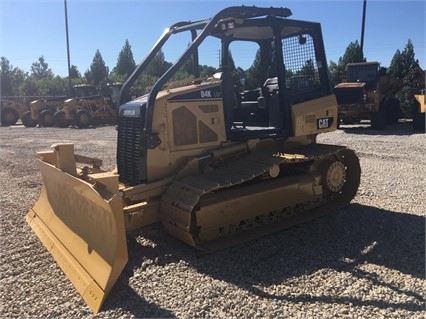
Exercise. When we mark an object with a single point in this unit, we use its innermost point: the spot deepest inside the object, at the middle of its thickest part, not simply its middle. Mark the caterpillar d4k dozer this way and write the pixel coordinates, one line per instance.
(217, 160)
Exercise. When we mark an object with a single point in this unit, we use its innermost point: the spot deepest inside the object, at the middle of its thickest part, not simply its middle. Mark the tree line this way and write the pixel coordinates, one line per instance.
(41, 81)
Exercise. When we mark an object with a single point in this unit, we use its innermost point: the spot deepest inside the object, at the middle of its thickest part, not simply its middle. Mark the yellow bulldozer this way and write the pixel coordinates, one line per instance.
(215, 159)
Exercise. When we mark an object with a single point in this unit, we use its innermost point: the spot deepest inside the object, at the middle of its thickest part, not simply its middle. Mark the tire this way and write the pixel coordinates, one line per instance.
(46, 118)
(378, 119)
(83, 118)
(393, 111)
(60, 120)
(9, 116)
(27, 120)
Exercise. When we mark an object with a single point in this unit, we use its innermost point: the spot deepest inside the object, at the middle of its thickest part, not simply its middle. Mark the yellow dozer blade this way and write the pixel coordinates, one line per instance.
(82, 226)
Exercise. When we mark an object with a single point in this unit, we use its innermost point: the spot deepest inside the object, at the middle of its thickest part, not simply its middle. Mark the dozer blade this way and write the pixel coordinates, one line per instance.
(83, 230)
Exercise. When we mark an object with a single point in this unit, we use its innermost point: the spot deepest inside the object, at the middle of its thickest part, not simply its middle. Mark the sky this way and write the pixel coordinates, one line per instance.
(30, 29)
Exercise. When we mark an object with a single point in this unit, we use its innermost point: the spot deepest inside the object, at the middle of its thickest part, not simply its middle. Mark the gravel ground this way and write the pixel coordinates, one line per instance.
(366, 261)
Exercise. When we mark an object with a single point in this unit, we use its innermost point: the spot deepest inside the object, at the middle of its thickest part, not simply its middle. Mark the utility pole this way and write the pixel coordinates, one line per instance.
(363, 27)
(68, 48)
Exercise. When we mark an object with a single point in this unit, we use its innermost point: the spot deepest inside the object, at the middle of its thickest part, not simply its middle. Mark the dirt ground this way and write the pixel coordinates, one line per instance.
(367, 261)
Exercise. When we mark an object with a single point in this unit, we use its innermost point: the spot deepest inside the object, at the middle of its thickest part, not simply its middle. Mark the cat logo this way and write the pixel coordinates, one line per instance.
(324, 122)
(206, 93)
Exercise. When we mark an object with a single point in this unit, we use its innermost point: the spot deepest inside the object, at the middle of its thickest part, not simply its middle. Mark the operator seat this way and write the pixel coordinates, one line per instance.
(268, 92)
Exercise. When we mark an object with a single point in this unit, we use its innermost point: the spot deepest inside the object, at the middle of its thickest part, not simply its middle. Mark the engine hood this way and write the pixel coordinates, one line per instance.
(133, 108)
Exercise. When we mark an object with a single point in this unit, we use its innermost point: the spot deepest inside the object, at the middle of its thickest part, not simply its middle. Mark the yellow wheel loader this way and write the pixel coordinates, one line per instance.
(218, 160)
(86, 108)
(41, 112)
(11, 112)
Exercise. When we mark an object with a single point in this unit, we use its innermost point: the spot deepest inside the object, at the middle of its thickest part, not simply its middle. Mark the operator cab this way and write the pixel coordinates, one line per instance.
(267, 63)
(287, 55)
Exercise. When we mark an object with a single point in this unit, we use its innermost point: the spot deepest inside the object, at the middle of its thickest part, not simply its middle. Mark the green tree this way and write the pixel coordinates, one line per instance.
(353, 54)
(415, 79)
(52, 87)
(403, 62)
(308, 68)
(334, 74)
(206, 71)
(406, 67)
(151, 74)
(143, 84)
(40, 70)
(98, 70)
(158, 65)
(114, 77)
(10, 78)
(74, 73)
(254, 74)
(125, 62)
(30, 87)
(6, 77)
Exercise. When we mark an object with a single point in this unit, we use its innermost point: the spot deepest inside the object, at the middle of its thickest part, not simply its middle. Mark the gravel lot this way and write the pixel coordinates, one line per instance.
(367, 261)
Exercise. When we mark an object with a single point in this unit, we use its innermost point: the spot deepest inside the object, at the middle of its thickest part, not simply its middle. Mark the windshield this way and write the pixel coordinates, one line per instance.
(83, 91)
(366, 73)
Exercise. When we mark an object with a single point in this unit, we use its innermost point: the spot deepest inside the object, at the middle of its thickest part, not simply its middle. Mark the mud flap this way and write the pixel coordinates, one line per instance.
(83, 230)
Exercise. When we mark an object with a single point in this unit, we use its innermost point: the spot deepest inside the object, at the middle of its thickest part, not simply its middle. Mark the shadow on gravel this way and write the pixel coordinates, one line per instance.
(122, 295)
(358, 235)
(342, 242)
(402, 128)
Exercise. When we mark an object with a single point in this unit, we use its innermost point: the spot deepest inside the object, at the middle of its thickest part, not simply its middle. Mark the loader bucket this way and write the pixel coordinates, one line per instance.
(82, 229)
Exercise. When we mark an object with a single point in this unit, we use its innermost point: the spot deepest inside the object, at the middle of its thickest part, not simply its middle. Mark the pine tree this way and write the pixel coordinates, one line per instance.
(74, 73)
(11, 78)
(403, 62)
(125, 62)
(40, 70)
(98, 70)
